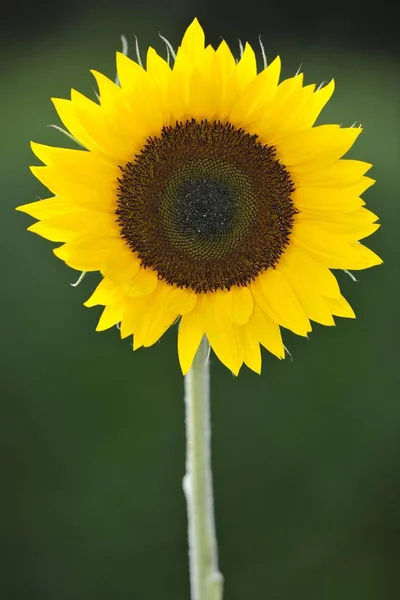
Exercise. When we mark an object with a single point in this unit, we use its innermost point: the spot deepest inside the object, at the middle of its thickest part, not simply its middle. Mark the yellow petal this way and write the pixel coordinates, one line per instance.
(99, 195)
(122, 123)
(255, 95)
(319, 100)
(109, 92)
(225, 69)
(224, 336)
(156, 318)
(193, 41)
(246, 67)
(85, 118)
(323, 200)
(134, 308)
(49, 232)
(275, 297)
(313, 149)
(179, 301)
(341, 173)
(329, 248)
(315, 307)
(237, 304)
(161, 311)
(122, 266)
(44, 209)
(359, 216)
(190, 334)
(80, 163)
(364, 258)
(87, 255)
(73, 225)
(267, 331)
(340, 307)
(66, 111)
(130, 74)
(226, 62)
(315, 275)
(143, 97)
(252, 352)
(105, 293)
(158, 69)
(143, 284)
(179, 89)
(110, 316)
(270, 119)
(313, 304)
(283, 117)
(94, 119)
(131, 114)
(204, 94)
(349, 231)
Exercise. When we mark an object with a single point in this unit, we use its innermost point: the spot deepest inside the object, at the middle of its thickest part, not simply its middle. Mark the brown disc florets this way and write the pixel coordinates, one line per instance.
(206, 205)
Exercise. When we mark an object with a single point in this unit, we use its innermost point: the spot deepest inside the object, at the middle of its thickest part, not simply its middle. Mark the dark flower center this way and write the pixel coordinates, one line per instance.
(206, 205)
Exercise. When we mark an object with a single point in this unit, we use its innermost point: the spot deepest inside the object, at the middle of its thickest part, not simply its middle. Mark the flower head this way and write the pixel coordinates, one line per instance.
(205, 193)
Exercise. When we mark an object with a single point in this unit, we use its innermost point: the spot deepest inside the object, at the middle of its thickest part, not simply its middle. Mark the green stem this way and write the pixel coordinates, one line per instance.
(205, 579)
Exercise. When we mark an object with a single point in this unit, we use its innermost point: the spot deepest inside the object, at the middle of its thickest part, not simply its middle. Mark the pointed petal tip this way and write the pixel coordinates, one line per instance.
(136, 344)
(329, 86)
(368, 258)
(32, 228)
(193, 39)
(97, 76)
(371, 181)
(121, 57)
(256, 370)
(378, 261)
(60, 252)
(34, 146)
(194, 26)
(90, 302)
(277, 62)
(24, 208)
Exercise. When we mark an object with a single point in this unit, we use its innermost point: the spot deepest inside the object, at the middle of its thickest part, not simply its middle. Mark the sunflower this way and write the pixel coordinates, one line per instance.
(204, 193)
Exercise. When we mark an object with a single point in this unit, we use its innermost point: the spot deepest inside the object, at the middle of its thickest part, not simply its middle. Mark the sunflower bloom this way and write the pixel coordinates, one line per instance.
(205, 194)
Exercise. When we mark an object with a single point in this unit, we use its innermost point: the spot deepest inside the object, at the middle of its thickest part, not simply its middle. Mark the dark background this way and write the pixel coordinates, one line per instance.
(306, 456)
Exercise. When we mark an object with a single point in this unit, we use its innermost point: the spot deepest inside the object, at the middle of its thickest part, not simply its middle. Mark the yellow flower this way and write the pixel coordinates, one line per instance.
(204, 193)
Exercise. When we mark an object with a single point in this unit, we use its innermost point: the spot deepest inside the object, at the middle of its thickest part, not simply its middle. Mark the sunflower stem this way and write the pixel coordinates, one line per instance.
(206, 581)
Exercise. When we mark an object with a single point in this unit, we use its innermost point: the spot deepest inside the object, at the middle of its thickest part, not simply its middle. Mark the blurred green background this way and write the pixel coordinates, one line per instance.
(306, 456)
